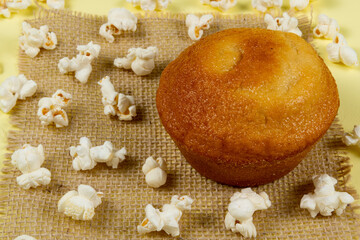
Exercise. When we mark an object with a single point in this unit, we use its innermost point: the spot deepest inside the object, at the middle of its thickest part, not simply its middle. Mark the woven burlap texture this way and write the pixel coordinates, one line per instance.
(34, 211)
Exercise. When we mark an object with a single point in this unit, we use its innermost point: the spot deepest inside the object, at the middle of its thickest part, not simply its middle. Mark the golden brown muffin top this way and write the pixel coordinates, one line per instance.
(253, 93)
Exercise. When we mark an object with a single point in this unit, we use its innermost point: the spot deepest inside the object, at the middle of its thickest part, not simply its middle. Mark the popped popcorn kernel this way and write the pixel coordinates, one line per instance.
(339, 51)
(299, 4)
(353, 138)
(80, 204)
(51, 109)
(150, 5)
(28, 160)
(119, 20)
(14, 88)
(86, 156)
(116, 104)
(140, 60)
(264, 5)
(241, 209)
(284, 24)
(325, 199)
(81, 64)
(196, 25)
(167, 219)
(221, 4)
(327, 27)
(33, 39)
(155, 172)
(25, 237)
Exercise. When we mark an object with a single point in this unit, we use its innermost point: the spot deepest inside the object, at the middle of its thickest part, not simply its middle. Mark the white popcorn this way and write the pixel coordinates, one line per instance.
(299, 4)
(80, 204)
(140, 60)
(4, 11)
(56, 4)
(339, 51)
(18, 4)
(107, 154)
(241, 209)
(167, 219)
(29, 160)
(152, 222)
(51, 109)
(327, 27)
(86, 157)
(81, 155)
(116, 103)
(150, 5)
(221, 4)
(33, 39)
(197, 25)
(352, 138)
(325, 199)
(119, 19)
(155, 172)
(263, 5)
(81, 64)
(14, 88)
(25, 237)
(284, 24)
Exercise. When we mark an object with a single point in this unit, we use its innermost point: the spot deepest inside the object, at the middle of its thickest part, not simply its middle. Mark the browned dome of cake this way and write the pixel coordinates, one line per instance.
(244, 106)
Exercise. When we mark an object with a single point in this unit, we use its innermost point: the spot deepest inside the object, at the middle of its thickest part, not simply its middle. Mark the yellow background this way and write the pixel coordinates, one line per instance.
(346, 12)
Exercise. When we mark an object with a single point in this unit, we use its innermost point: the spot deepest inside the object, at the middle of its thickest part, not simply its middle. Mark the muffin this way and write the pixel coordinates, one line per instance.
(245, 106)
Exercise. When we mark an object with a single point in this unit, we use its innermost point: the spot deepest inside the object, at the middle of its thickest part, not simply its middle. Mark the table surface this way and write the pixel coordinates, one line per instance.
(346, 12)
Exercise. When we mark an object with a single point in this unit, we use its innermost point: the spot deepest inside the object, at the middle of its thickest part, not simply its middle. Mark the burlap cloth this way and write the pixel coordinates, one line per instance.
(34, 211)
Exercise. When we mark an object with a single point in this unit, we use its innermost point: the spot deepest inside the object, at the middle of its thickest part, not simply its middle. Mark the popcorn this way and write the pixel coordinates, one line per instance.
(154, 171)
(197, 25)
(150, 5)
(3, 9)
(81, 64)
(152, 222)
(241, 209)
(56, 4)
(86, 157)
(284, 24)
(107, 154)
(33, 39)
(221, 4)
(167, 219)
(12, 4)
(352, 138)
(140, 60)
(80, 204)
(339, 51)
(25, 237)
(29, 160)
(5, 12)
(51, 109)
(18, 4)
(263, 5)
(14, 88)
(299, 4)
(119, 19)
(81, 155)
(325, 199)
(116, 103)
(327, 27)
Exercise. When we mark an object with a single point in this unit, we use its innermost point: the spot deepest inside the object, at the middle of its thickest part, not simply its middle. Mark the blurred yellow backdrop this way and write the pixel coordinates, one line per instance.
(346, 12)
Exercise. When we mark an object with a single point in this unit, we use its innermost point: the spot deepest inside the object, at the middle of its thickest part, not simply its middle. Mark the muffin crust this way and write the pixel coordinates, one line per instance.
(244, 106)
